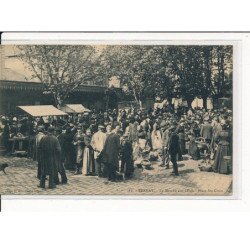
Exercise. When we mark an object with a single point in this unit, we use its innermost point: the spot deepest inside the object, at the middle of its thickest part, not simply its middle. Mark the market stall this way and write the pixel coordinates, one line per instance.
(42, 110)
(21, 143)
(74, 109)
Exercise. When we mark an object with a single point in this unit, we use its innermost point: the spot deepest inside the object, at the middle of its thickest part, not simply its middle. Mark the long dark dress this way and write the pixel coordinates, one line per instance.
(69, 150)
(220, 164)
(88, 157)
(127, 165)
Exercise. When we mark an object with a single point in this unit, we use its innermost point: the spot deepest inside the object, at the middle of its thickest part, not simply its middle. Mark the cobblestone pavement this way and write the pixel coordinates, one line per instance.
(21, 179)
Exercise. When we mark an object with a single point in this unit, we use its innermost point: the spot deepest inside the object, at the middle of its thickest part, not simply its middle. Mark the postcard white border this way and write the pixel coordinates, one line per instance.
(241, 44)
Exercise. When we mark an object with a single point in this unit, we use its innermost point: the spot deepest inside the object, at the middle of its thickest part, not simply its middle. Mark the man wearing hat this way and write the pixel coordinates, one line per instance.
(127, 165)
(165, 146)
(50, 153)
(97, 143)
(110, 154)
(174, 148)
(37, 157)
(61, 138)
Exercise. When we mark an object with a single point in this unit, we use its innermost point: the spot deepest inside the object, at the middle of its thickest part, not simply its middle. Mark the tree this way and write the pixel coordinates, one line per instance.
(200, 70)
(132, 66)
(223, 70)
(184, 67)
(62, 68)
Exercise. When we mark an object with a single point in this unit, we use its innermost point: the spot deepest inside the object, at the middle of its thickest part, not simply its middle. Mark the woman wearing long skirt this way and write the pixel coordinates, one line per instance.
(142, 138)
(220, 163)
(193, 149)
(78, 143)
(156, 139)
(88, 155)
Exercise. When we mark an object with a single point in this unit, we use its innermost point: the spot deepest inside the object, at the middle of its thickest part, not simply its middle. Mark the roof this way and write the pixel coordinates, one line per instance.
(23, 86)
(38, 86)
(75, 108)
(12, 75)
(42, 110)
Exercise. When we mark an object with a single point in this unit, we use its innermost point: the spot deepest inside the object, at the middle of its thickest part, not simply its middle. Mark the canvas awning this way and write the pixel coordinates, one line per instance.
(42, 110)
(74, 108)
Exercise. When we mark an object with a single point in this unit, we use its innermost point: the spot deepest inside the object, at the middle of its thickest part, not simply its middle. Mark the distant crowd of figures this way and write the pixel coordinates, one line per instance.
(111, 143)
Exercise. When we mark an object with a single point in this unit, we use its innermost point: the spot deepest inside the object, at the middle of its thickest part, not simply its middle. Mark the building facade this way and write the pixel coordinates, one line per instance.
(17, 93)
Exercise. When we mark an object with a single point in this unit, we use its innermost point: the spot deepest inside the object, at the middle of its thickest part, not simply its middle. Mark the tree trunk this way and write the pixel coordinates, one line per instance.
(136, 99)
(189, 102)
(204, 102)
(140, 104)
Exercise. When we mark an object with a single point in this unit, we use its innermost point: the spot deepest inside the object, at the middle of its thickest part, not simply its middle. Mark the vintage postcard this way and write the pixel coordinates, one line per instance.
(117, 118)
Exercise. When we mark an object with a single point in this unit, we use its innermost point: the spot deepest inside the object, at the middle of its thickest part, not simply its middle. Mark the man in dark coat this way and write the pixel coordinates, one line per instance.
(174, 148)
(127, 165)
(61, 170)
(50, 153)
(110, 154)
(37, 157)
(165, 146)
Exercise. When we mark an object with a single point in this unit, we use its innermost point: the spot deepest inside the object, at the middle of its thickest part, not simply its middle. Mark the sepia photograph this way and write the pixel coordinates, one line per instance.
(124, 124)
(116, 119)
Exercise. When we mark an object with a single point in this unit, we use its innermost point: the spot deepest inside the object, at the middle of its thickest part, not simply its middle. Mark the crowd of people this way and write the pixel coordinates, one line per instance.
(111, 144)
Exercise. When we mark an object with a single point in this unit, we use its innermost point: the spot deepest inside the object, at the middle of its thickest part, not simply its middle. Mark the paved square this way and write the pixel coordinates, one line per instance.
(21, 179)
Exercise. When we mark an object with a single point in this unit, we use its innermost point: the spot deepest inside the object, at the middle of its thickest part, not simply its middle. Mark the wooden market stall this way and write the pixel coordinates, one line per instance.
(74, 109)
(19, 140)
(42, 110)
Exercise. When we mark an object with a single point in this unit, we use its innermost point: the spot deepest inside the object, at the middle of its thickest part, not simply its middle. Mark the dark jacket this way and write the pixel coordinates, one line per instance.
(50, 153)
(174, 145)
(126, 151)
(111, 149)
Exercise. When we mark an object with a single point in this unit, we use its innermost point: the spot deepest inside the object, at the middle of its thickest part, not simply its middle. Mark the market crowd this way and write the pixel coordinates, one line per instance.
(111, 144)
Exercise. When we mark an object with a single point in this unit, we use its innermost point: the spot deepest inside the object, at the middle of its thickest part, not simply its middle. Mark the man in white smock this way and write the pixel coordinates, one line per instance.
(97, 144)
